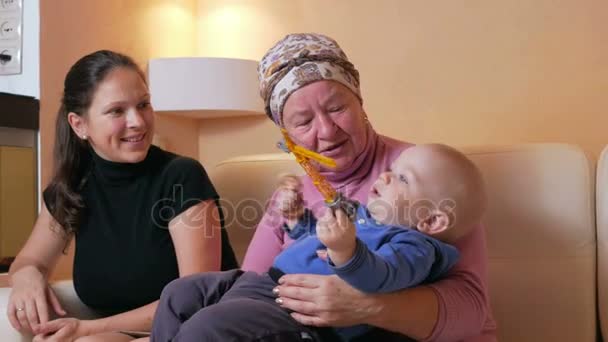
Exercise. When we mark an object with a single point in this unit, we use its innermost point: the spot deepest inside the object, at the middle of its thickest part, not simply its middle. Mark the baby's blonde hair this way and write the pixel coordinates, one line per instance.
(465, 189)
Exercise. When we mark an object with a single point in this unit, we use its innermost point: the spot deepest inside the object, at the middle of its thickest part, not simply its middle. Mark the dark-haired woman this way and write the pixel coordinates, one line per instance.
(140, 216)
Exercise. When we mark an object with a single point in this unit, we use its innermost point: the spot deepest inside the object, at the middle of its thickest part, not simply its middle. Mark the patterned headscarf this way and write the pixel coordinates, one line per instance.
(298, 60)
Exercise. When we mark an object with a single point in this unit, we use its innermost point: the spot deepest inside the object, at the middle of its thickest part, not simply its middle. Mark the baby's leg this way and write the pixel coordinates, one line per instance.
(184, 297)
(248, 312)
(244, 319)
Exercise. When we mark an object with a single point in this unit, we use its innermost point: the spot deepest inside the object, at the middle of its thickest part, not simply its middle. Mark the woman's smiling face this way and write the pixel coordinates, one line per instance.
(119, 124)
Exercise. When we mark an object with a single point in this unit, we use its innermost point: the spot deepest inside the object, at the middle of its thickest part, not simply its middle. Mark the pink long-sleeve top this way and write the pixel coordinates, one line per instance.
(464, 309)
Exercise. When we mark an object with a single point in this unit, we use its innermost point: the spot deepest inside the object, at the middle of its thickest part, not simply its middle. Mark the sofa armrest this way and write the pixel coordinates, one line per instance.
(67, 297)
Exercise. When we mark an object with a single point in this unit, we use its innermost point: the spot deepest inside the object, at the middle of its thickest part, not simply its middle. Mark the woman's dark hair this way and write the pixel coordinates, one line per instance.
(71, 155)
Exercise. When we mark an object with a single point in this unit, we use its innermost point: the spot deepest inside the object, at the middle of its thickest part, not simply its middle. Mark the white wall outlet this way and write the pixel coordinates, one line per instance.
(10, 28)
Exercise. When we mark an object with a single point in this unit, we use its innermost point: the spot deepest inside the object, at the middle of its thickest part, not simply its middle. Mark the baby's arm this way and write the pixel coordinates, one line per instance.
(407, 260)
(338, 233)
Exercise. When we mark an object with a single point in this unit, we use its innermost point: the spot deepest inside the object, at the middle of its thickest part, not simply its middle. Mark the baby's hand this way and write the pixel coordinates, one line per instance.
(289, 198)
(338, 234)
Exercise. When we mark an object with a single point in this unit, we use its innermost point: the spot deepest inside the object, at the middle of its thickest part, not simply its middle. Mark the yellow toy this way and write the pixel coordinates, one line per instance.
(333, 199)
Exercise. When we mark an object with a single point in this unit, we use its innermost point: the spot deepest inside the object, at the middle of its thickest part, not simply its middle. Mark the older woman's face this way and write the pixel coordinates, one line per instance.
(328, 118)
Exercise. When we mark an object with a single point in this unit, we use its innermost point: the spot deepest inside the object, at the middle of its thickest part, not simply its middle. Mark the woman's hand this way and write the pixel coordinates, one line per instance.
(28, 304)
(324, 300)
(62, 330)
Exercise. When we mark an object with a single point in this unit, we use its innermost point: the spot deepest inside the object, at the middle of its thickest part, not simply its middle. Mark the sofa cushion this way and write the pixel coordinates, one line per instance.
(245, 185)
(541, 241)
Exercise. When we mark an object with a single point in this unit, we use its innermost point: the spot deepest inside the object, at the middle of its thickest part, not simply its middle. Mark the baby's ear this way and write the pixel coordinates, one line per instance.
(437, 222)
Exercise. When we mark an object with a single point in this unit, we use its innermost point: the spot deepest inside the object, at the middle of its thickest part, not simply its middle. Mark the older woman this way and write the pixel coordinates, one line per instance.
(312, 90)
(131, 208)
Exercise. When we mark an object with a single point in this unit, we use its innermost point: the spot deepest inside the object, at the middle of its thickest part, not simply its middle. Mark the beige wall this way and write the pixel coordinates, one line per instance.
(143, 29)
(473, 72)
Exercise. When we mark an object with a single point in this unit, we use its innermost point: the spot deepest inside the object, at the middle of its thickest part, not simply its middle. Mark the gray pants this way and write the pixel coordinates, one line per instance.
(225, 306)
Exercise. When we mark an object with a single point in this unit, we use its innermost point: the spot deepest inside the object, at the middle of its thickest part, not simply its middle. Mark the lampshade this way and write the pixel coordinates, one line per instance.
(204, 87)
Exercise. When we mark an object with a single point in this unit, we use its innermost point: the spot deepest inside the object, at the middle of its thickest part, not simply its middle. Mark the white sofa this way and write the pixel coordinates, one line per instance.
(541, 232)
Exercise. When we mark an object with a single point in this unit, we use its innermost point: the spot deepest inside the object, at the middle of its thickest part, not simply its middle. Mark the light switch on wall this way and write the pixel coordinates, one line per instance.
(11, 23)
(10, 4)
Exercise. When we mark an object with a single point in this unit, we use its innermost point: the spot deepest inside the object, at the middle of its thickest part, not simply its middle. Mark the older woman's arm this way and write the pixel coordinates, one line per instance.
(329, 301)
(449, 310)
(462, 296)
(460, 300)
(267, 242)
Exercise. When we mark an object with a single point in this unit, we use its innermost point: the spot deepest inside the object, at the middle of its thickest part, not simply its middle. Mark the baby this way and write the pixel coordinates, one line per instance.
(433, 191)
(431, 196)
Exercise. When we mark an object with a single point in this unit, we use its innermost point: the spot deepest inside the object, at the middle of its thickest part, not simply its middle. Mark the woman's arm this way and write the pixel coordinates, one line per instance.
(28, 275)
(464, 290)
(197, 239)
(460, 299)
(267, 242)
(329, 301)
(139, 319)
(43, 247)
(449, 310)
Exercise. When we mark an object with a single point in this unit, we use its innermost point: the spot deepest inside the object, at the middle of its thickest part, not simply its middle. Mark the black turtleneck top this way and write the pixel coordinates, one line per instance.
(124, 253)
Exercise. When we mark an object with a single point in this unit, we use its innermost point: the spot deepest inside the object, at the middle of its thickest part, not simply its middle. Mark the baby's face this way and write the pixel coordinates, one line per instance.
(398, 192)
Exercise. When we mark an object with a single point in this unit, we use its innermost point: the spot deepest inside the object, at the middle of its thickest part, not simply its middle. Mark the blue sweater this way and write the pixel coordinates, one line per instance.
(387, 258)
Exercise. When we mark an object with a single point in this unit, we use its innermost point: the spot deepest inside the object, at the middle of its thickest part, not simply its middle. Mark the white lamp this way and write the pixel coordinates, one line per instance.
(205, 87)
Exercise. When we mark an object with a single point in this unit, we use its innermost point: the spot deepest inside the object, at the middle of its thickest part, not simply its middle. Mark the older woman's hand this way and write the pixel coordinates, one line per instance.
(324, 300)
